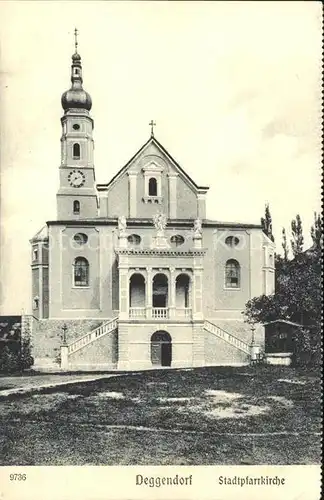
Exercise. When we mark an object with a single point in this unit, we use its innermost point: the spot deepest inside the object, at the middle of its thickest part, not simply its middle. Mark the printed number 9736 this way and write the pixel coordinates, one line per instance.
(17, 477)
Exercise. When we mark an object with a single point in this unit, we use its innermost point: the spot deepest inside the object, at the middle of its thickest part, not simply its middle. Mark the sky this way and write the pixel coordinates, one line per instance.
(234, 88)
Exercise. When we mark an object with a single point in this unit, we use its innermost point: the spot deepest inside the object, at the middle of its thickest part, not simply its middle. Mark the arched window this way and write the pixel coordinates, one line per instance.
(134, 239)
(76, 207)
(152, 187)
(232, 274)
(76, 151)
(81, 272)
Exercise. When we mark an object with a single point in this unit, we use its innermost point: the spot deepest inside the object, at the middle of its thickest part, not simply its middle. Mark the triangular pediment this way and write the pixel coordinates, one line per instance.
(152, 157)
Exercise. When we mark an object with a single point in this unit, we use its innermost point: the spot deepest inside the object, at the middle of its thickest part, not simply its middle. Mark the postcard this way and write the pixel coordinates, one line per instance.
(161, 246)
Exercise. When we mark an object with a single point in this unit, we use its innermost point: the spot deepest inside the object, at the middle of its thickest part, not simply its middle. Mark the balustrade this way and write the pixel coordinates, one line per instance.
(160, 313)
(137, 312)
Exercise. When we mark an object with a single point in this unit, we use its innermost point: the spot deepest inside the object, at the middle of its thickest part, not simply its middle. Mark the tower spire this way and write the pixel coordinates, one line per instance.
(76, 40)
(76, 96)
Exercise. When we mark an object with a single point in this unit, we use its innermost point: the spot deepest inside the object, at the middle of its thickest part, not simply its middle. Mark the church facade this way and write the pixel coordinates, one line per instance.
(132, 273)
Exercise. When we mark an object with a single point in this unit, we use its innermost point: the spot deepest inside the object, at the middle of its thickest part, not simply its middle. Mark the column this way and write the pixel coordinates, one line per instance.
(132, 176)
(172, 293)
(148, 292)
(173, 195)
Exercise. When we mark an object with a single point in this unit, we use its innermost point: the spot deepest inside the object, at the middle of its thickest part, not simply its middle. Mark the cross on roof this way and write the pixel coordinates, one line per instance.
(76, 39)
(152, 124)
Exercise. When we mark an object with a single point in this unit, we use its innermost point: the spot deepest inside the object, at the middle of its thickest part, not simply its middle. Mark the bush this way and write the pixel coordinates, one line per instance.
(9, 360)
(17, 357)
(308, 347)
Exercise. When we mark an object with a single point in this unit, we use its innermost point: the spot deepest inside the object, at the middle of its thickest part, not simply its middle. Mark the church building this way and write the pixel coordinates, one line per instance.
(132, 274)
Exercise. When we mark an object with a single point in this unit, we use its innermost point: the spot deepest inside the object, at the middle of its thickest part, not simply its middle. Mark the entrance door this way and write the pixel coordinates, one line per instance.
(161, 349)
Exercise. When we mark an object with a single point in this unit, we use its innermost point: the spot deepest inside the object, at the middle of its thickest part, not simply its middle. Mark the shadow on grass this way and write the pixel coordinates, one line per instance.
(215, 411)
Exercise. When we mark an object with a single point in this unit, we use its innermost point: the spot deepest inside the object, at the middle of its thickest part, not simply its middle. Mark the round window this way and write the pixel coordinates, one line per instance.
(177, 240)
(76, 126)
(80, 238)
(232, 241)
(134, 239)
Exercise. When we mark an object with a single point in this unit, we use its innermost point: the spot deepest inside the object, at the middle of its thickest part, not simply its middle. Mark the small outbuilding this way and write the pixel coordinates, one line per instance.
(280, 338)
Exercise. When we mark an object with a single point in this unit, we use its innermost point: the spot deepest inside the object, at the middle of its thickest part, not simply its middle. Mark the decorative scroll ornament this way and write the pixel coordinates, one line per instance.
(160, 222)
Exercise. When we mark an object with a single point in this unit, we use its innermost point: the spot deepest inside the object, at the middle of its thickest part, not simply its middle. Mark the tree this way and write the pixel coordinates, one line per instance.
(297, 296)
(284, 245)
(317, 232)
(266, 223)
(297, 242)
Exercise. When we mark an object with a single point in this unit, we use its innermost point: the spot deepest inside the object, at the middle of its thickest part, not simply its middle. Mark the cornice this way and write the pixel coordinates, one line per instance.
(161, 251)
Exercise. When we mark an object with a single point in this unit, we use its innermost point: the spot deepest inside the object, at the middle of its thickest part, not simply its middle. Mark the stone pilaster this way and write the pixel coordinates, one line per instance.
(103, 204)
(201, 205)
(197, 303)
(41, 283)
(172, 195)
(132, 182)
(123, 292)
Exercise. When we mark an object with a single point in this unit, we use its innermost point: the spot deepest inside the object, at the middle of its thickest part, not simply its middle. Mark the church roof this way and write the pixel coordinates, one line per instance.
(41, 235)
(153, 140)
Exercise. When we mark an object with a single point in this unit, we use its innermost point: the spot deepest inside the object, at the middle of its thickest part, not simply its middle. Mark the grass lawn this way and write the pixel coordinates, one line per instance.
(203, 416)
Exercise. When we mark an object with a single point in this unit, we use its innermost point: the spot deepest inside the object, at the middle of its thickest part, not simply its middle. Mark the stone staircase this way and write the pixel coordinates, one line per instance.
(111, 326)
(104, 329)
(227, 337)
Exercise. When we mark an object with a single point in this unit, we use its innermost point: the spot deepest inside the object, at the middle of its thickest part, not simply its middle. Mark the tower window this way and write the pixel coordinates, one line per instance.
(36, 302)
(81, 272)
(76, 126)
(76, 151)
(232, 274)
(35, 253)
(152, 187)
(76, 207)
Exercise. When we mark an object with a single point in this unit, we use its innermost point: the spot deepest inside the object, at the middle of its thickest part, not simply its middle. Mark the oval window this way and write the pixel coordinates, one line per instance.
(134, 239)
(80, 238)
(76, 126)
(177, 240)
(232, 241)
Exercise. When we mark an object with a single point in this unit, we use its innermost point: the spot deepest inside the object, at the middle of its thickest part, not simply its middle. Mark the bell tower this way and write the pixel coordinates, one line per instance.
(77, 195)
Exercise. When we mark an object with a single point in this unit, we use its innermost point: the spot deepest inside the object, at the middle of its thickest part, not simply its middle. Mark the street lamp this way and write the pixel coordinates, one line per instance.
(64, 330)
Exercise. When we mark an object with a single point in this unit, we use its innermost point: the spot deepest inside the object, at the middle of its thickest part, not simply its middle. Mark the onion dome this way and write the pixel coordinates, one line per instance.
(76, 96)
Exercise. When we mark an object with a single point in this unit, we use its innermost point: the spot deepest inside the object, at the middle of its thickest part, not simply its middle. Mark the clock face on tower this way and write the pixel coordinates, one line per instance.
(76, 178)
